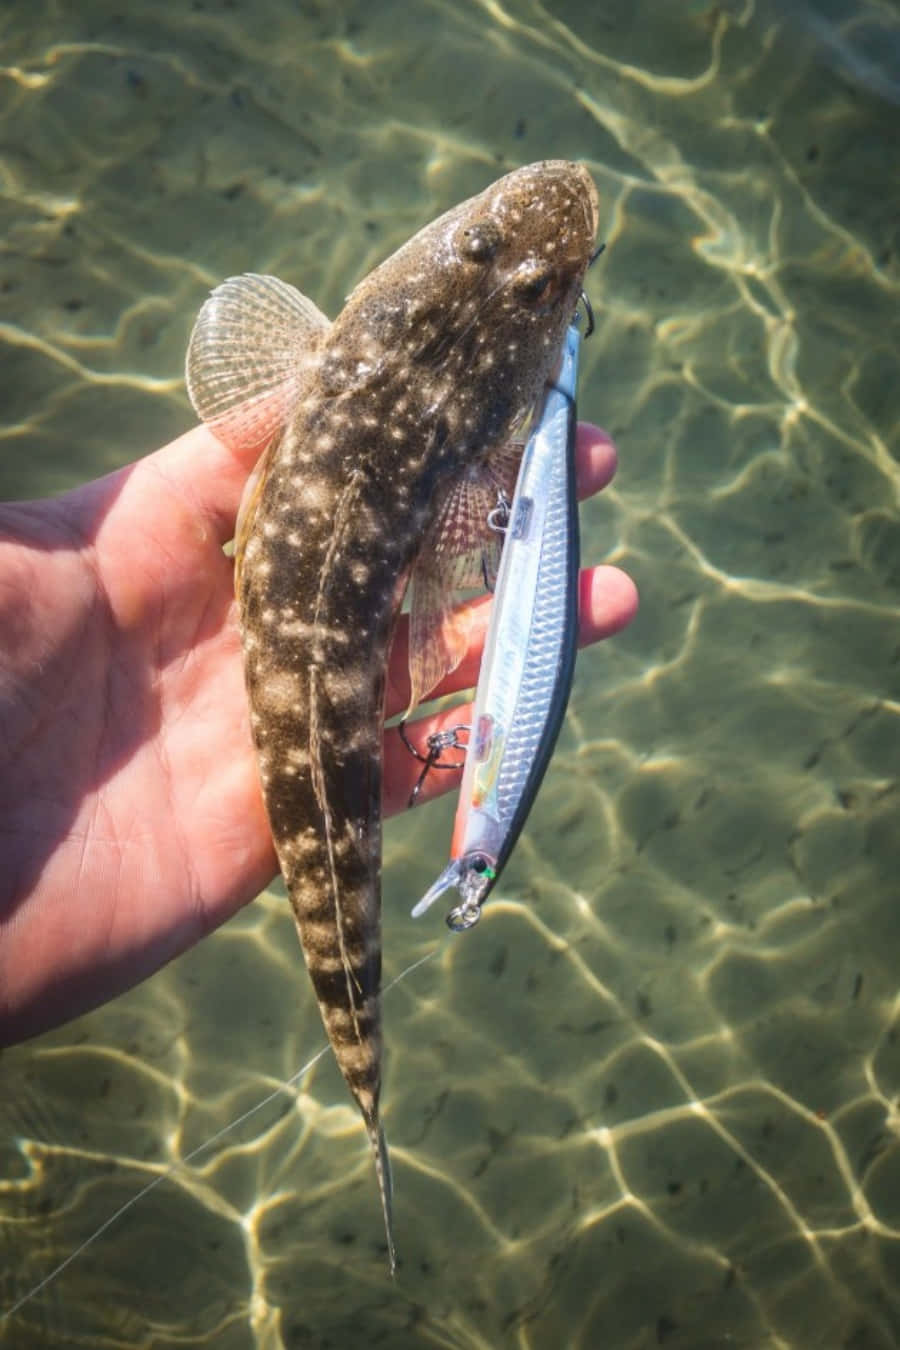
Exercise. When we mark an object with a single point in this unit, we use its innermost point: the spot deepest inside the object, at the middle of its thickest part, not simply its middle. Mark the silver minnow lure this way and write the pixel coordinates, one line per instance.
(529, 656)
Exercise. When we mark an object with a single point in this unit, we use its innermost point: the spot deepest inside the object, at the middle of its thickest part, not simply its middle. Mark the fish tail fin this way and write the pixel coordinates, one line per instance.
(385, 1185)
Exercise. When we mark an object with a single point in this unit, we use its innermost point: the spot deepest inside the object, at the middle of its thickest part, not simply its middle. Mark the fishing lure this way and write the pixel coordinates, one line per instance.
(529, 656)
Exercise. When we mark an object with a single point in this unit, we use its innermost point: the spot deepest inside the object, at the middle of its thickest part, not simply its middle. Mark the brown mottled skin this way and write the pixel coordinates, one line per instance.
(436, 356)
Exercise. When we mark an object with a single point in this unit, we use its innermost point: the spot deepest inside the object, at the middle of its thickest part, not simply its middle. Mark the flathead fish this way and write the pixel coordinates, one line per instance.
(386, 438)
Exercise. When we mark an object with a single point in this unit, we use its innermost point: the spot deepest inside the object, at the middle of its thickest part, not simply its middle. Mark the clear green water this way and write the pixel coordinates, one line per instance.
(655, 1098)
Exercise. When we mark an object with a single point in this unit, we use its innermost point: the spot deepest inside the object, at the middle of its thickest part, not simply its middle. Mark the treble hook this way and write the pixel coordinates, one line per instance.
(498, 517)
(437, 742)
(584, 300)
(590, 314)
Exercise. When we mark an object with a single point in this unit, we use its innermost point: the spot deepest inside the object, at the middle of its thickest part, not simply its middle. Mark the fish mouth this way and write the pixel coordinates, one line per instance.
(576, 178)
(591, 197)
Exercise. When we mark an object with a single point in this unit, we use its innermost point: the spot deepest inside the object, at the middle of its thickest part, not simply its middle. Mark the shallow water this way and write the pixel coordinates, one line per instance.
(655, 1098)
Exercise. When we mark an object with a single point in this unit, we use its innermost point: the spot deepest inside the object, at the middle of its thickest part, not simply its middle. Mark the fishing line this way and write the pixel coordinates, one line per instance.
(189, 1157)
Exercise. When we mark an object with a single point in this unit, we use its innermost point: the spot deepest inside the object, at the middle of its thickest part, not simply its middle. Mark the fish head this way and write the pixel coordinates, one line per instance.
(474, 307)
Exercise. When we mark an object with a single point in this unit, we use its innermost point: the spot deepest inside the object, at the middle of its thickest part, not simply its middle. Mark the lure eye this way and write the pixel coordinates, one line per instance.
(479, 242)
(534, 284)
(482, 866)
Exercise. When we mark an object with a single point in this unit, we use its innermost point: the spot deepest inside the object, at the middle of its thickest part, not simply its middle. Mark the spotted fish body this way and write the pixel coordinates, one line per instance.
(380, 429)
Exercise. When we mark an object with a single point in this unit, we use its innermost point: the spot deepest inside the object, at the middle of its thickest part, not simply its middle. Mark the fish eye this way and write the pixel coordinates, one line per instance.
(479, 242)
(534, 283)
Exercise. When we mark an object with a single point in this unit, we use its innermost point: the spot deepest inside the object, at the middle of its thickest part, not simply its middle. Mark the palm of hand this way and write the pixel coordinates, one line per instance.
(132, 820)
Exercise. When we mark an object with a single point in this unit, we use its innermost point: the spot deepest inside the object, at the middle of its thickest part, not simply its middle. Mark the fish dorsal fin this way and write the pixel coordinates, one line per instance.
(252, 344)
(460, 551)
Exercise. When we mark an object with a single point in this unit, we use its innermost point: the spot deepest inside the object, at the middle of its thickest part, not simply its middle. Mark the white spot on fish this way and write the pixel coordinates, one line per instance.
(279, 690)
(296, 628)
(306, 842)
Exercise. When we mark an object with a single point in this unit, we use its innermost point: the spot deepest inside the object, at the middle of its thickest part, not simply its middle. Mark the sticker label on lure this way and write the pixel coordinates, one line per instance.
(484, 734)
(490, 739)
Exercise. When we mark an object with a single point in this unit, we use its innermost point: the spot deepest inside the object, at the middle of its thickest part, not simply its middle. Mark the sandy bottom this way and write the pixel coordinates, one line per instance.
(654, 1099)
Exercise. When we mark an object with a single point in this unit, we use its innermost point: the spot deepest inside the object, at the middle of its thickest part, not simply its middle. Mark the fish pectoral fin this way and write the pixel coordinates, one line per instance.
(460, 551)
(251, 346)
(438, 635)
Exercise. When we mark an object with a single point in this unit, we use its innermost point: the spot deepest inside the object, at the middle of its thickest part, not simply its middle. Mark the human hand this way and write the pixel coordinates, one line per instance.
(131, 820)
